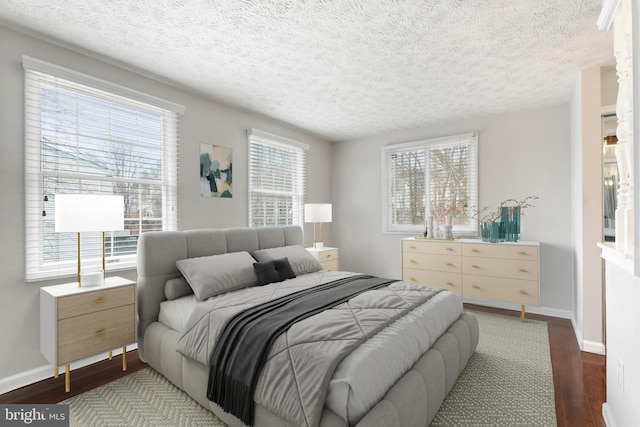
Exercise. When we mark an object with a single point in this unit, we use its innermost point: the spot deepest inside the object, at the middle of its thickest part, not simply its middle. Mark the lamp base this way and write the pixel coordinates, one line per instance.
(318, 245)
(91, 279)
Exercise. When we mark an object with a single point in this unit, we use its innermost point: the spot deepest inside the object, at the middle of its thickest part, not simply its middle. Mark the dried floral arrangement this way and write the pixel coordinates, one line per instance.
(487, 215)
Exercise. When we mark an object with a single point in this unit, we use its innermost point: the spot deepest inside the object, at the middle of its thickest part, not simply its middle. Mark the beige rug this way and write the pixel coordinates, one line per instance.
(508, 382)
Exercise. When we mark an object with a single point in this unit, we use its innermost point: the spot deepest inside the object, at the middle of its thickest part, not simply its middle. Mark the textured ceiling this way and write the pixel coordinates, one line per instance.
(342, 69)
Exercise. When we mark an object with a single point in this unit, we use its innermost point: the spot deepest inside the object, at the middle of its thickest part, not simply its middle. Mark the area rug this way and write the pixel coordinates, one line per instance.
(507, 382)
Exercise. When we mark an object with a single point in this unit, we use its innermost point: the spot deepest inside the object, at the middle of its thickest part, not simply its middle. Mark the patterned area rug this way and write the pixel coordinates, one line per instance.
(508, 382)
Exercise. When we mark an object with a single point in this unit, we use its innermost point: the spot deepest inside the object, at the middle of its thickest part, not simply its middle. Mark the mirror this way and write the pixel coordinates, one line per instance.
(609, 175)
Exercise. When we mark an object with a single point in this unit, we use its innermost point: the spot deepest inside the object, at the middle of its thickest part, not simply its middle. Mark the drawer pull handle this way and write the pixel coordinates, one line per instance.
(413, 261)
(411, 247)
(100, 332)
(523, 270)
(475, 250)
(522, 253)
(524, 293)
(449, 264)
(100, 300)
(449, 284)
(474, 266)
(475, 287)
(412, 279)
(328, 255)
(449, 249)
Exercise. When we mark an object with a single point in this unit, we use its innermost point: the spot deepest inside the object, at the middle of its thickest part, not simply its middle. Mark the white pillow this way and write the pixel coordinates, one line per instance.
(212, 275)
(300, 259)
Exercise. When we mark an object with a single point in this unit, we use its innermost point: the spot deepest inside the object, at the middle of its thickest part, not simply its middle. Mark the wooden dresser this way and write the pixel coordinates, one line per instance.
(508, 271)
(77, 322)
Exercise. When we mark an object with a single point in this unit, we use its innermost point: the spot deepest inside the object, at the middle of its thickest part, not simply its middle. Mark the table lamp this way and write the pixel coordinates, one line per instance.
(317, 213)
(80, 213)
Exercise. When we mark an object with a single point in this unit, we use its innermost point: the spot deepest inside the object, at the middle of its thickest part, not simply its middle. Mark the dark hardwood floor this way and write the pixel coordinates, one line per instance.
(579, 378)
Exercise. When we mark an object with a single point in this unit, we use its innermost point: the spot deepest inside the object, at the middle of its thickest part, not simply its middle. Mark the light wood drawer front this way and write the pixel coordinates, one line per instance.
(501, 289)
(329, 265)
(86, 335)
(431, 247)
(75, 305)
(529, 253)
(448, 263)
(328, 255)
(435, 279)
(525, 270)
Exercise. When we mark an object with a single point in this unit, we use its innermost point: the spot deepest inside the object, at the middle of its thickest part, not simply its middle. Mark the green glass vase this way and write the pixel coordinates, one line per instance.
(490, 231)
(510, 217)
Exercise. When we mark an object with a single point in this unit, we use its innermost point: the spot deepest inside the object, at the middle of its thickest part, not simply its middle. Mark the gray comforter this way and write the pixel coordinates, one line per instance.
(295, 379)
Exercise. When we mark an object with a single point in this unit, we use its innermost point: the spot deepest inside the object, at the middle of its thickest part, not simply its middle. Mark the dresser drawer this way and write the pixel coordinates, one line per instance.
(329, 265)
(75, 305)
(509, 268)
(435, 279)
(448, 263)
(431, 247)
(328, 255)
(529, 253)
(501, 289)
(92, 333)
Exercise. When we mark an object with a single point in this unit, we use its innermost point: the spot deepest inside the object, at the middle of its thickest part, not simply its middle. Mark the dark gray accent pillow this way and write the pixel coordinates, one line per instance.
(176, 288)
(300, 259)
(273, 271)
(212, 275)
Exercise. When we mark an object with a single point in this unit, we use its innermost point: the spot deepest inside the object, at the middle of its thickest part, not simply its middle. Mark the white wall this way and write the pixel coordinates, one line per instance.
(204, 121)
(521, 153)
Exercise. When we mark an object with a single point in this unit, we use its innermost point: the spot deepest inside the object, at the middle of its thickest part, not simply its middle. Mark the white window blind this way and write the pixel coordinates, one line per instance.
(436, 177)
(86, 135)
(277, 170)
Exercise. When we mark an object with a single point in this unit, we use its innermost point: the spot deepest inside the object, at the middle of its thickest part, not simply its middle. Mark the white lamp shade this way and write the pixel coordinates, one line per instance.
(317, 212)
(80, 213)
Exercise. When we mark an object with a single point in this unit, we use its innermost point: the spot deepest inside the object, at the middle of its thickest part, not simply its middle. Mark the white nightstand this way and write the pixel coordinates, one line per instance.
(77, 322)
(328, 257)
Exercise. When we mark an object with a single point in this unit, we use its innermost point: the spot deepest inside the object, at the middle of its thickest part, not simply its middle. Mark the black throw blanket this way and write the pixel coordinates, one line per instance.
(242, 349)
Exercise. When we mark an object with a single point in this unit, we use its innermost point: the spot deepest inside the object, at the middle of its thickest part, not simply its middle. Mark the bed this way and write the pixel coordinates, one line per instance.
(388, 365)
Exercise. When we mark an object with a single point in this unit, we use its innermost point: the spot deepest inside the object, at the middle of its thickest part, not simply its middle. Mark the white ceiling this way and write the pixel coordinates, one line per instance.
(342, 69)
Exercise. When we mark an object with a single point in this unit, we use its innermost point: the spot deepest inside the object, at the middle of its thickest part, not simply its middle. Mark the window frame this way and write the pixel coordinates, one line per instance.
(40, 74)
(298, 194)
(388, 225)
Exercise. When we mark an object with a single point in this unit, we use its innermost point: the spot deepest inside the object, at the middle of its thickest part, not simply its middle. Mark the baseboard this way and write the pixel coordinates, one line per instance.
(593, 347)
(545, 311)
(44, 372)
(607, 415)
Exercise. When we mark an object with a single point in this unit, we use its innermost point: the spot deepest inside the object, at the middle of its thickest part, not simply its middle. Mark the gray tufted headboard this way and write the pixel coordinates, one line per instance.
(158, 252)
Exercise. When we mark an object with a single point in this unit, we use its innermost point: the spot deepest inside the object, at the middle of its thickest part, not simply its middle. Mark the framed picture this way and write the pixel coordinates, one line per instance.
(215, 171)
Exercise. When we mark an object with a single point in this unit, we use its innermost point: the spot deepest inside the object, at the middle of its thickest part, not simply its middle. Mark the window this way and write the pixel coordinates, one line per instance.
(85, 135)
(277, 168)
(431, 177)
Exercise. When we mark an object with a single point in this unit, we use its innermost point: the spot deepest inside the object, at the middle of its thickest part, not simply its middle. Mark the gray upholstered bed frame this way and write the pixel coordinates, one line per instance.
(412, 401)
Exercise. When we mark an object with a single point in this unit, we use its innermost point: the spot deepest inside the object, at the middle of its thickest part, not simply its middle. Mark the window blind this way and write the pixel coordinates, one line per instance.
(86, 135)
(437, 177)
(277, 173)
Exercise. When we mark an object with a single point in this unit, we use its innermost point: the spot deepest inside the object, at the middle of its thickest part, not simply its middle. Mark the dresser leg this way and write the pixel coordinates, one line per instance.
(55, 372)
(67, 380)
(522, 314)
(110, 355)
(124, 358)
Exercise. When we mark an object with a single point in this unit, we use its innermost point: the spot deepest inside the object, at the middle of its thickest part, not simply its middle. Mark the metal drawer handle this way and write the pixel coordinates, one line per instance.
(449, 283)
(449, 249)
(413, 261)
(475, 250)
(411, 247)
(100, 332)
(100, 300)
(328, 255)
(522, 253)
(475, 287)
(524, 293)
(412, 279)
(450, 265)
(522, 270)
(474, 266)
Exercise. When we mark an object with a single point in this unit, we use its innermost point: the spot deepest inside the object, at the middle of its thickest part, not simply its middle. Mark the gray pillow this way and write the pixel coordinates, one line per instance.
(212, 275)
(300, 259)
(176, 288)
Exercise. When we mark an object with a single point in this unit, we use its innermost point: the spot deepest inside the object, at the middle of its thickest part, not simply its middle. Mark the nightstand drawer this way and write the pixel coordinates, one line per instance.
(328, 255)
(86, 335)
(449, 263)
(89, 302)
(329, 265)
(435, 279)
